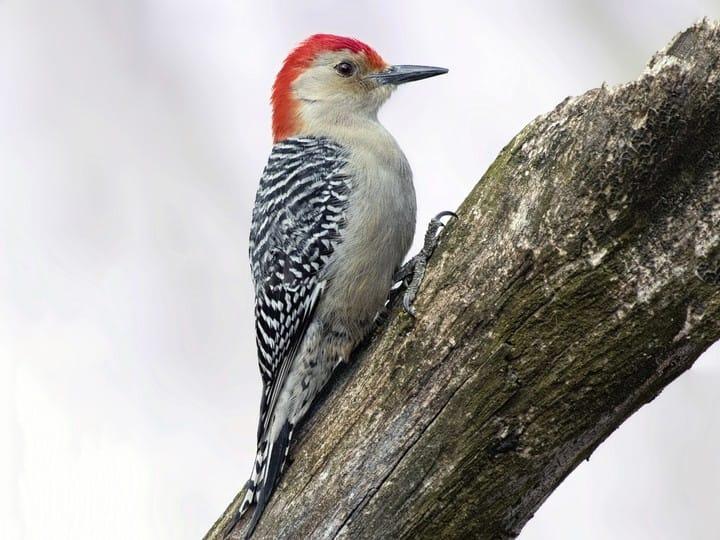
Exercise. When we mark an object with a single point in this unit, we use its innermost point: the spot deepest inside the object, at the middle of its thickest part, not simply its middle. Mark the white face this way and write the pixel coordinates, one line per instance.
(338, 83)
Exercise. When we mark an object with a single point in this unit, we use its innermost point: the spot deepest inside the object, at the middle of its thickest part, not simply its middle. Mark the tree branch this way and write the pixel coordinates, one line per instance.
(582, 277)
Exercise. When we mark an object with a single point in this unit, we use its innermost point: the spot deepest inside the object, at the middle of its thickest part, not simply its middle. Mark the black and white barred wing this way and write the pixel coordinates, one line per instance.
(297, 221)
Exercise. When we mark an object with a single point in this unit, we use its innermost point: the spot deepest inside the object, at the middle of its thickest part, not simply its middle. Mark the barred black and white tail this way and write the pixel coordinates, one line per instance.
(251, 485)
(269, 465)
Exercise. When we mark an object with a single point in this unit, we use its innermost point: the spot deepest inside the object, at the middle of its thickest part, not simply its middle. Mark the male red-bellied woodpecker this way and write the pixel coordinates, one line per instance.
(334, 217)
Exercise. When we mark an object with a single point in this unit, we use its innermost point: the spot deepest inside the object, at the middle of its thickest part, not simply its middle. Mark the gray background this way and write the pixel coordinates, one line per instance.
(132, 135)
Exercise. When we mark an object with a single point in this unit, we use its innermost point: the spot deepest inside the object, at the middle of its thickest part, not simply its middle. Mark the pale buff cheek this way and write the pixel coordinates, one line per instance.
(322, 95)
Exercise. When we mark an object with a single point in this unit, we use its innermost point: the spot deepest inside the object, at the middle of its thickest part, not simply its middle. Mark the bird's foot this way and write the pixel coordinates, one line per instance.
(411, 274)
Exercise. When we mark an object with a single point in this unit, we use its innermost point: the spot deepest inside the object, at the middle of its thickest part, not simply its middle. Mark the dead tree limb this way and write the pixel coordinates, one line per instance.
(581, 278)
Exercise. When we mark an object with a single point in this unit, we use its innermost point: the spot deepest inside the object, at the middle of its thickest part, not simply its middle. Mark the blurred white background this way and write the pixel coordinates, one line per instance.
(132, 135)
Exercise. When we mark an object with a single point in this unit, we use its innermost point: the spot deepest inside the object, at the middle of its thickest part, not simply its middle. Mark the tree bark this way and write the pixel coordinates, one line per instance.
(582, 277)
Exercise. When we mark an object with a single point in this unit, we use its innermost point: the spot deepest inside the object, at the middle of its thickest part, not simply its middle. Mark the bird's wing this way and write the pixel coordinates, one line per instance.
(297, 222)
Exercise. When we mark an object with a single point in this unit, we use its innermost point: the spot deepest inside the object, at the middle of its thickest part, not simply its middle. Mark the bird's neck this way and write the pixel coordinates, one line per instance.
(344, 125)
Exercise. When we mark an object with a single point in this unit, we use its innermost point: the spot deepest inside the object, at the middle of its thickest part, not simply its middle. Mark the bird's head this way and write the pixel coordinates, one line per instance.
(333, 79)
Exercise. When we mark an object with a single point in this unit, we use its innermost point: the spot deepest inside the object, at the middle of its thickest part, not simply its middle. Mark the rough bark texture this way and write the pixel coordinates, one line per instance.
(582, 276)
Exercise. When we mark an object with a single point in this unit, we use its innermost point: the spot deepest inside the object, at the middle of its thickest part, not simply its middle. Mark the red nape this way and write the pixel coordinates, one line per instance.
(284, 105)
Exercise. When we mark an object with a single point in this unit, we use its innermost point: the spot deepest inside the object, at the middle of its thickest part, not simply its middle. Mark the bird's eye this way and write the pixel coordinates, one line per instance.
(345, 69)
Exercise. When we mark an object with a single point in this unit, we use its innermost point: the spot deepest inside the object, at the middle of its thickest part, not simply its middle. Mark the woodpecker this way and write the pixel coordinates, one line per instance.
(334, 217)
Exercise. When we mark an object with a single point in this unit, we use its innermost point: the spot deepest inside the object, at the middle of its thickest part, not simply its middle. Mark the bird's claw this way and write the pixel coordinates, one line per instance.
(443, 214)
(412, 272)
(408, 299)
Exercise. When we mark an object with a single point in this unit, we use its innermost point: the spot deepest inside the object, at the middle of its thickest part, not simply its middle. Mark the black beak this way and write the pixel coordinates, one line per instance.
(403, 74)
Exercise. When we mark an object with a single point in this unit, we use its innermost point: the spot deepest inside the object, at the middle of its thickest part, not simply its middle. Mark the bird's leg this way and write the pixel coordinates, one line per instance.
(412, 272)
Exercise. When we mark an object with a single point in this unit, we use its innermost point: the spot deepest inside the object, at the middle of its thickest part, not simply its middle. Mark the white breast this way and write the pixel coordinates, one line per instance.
(380, 226)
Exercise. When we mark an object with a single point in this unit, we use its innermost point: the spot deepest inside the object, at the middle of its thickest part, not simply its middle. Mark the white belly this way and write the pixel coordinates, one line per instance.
(379, 231)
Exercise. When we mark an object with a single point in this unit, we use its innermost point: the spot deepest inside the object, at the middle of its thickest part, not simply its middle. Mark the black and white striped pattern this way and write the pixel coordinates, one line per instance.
(298, 219)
